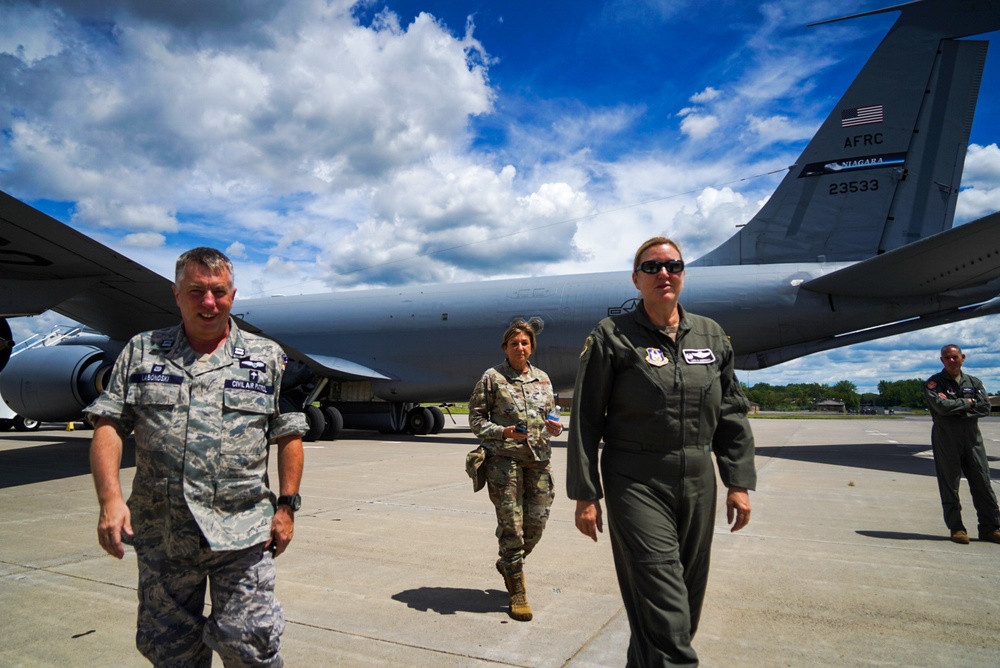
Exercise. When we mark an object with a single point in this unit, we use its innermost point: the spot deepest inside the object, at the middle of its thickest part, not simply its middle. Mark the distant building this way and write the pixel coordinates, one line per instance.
(830, 406)
(995, 404)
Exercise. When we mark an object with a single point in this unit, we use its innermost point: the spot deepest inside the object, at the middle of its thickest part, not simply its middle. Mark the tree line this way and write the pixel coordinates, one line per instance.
(803, 396)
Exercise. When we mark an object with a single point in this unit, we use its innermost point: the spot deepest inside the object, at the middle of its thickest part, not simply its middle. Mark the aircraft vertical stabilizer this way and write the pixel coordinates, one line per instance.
(884, 168)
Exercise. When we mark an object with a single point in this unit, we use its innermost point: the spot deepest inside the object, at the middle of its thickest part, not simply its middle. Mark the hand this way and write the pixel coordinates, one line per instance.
(554, 427)
(589, 519)
(282, 528)
(114, 519)
(738, 502)
(512, 434)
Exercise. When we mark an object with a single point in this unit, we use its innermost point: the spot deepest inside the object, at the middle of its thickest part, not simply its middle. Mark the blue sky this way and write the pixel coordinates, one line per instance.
(337, 145)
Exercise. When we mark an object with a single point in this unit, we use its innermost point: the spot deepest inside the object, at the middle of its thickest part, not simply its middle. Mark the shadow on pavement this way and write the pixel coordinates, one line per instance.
(893, 457)
(902, 535)
(450, 600)
(51, 461)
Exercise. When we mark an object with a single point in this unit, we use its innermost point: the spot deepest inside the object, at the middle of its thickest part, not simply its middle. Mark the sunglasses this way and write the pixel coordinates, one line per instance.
(654, 267)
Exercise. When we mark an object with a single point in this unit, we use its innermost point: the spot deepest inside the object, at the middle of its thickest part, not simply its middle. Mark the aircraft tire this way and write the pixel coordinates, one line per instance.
(24, 424)
(334, 423)
(316, 422)
(6, 425)
(438, 416)
(419, 421)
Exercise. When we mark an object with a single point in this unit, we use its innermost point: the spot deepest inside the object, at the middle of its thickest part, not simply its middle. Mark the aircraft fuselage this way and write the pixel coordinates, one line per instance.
(434, 341)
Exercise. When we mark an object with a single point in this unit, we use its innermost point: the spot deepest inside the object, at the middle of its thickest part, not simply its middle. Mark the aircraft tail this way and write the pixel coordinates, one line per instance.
(884, 168)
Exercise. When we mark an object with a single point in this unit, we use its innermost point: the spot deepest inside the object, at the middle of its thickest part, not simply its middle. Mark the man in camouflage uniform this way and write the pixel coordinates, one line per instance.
(517, 462)
(202, 400)
(957, 401)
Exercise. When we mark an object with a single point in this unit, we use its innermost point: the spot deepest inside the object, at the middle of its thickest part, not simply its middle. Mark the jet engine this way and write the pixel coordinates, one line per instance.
(6, 343)
(55, 383)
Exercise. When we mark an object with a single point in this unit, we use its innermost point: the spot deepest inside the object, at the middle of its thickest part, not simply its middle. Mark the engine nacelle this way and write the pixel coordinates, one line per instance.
(55, 383)
(6, 342)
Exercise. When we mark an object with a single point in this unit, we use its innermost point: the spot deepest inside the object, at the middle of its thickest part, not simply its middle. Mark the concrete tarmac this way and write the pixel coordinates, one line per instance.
(846, 561)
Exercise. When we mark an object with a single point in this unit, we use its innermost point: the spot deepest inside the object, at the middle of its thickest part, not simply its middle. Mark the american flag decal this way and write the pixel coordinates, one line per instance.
(861, 116)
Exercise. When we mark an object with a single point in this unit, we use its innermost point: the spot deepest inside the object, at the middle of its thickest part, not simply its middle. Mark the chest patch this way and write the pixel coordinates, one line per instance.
(655, 357)
(251, 385)
(155, 375)
(698, 355)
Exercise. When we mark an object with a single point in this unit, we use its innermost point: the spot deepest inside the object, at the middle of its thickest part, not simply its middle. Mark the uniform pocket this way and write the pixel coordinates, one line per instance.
(245, 421)
(153, 394)
(238, 495)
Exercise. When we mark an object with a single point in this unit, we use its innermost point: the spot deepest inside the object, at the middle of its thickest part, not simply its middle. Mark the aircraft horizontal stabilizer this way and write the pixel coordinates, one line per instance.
(964, 256)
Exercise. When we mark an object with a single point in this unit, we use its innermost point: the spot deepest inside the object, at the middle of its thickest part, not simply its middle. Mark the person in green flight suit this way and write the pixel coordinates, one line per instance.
(957, 401)
(657, 385)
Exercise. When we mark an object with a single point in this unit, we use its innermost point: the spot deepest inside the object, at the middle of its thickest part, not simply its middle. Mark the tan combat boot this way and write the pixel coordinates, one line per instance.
(519, 608)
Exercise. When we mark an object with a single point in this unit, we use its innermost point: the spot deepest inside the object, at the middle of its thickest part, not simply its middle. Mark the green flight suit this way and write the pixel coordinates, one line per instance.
(661, 409)
(958, 447)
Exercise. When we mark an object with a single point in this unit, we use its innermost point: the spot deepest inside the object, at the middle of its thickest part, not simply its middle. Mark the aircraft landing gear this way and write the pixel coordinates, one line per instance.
(438, 416)
(419, 421)
(334, 423)
(24, 424)
(316, 422)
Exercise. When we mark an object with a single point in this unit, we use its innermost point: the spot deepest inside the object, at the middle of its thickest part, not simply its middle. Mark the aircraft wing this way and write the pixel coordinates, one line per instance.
(48, 265)
(964, 256)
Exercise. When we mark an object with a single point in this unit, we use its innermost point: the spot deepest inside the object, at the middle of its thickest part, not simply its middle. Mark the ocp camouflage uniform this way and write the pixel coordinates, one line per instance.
(958, 447)
(517, 472)
(200, 504)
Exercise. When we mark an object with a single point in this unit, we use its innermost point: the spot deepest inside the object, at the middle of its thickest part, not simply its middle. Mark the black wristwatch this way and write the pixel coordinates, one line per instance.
(293, 501)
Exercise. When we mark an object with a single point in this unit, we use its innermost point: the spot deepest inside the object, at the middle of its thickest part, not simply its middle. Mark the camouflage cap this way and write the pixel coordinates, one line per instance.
(474, 467)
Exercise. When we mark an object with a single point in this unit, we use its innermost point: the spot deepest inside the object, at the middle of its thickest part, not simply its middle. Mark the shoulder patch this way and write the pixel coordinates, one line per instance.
(931, 385)
(655, 357)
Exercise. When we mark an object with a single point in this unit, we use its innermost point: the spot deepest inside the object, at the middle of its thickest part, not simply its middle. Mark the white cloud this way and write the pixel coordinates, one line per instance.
(980, 193)
(699, 126)
(97, 212)
(236, 251)
(144, 240)
(706, 95)
(231, 129)
(28, 33)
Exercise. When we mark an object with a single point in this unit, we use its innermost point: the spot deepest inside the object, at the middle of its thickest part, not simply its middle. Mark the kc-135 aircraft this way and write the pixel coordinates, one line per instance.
(855, 244)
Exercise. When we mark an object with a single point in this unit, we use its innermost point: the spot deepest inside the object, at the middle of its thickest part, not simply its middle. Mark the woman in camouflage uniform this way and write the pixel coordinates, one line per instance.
(509, 411)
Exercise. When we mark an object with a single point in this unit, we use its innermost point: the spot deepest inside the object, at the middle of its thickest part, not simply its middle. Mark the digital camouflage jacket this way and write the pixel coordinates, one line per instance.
(202, 433)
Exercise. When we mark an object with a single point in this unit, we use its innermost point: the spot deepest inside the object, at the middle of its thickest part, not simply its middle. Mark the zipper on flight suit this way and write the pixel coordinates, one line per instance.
(671, 347)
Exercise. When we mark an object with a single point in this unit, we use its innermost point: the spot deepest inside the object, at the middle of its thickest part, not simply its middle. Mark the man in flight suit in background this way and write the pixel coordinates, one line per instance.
(202, 399)
(957, 401)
